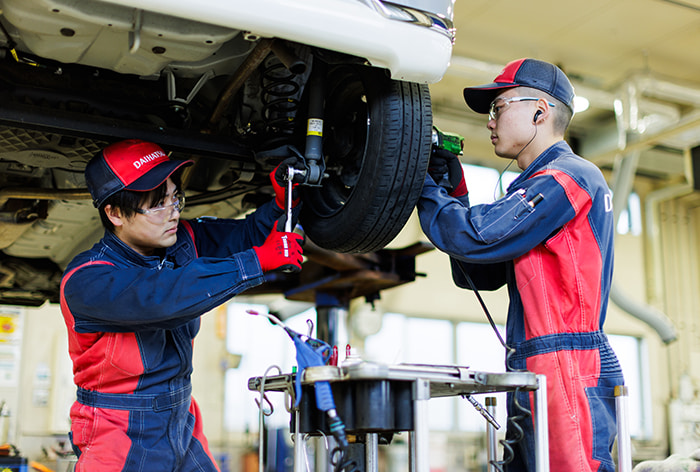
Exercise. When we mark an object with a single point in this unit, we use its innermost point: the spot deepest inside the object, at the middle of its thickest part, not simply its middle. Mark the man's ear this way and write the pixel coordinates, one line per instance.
(115, 215)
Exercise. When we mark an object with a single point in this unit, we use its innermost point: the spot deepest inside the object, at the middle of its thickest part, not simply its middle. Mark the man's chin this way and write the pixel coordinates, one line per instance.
(169, 240)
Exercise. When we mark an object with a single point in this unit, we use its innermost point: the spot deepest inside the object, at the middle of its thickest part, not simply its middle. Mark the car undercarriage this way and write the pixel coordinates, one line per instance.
(233, 101)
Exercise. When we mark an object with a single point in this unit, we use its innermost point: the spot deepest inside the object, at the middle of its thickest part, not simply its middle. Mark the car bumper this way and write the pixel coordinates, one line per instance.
(411, 52)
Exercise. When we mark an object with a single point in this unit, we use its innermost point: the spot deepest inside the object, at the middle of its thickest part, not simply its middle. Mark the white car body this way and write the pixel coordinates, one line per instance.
(410, 51)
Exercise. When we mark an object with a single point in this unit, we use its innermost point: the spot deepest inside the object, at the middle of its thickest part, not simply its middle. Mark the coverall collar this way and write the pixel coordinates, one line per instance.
(123, 250)
(549, 154)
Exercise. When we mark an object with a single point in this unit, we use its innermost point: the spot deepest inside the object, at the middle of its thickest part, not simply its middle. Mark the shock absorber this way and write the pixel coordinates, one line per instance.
(314, 126)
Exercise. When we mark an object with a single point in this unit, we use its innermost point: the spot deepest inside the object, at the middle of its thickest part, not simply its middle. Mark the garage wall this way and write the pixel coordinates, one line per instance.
(676, 281)
(40, 418)
(678, 238)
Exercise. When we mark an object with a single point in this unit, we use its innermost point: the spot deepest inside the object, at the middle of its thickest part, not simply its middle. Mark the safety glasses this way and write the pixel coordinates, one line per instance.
(162, 213)
(499, 105)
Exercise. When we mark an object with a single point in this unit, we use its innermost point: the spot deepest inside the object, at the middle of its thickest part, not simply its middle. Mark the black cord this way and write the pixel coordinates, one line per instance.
(472, 287)
(499, 183)
(340, 464)
(522, 412)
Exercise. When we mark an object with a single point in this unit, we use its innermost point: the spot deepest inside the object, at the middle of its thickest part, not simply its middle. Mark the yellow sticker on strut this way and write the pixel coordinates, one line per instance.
(314, 127)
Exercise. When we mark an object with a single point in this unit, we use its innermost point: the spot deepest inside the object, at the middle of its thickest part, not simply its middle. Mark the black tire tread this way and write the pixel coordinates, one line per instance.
(382, 203)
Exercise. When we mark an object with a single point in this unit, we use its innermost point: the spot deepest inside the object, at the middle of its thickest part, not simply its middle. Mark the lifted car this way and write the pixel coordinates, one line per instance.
(237, 86)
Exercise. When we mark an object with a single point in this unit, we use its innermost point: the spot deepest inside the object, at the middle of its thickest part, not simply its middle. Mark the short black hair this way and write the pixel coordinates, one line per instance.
(128, 200)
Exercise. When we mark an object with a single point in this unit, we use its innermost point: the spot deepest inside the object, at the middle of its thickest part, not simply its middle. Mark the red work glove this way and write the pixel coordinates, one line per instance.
(280, 251)
(447, 171)
(279, 181)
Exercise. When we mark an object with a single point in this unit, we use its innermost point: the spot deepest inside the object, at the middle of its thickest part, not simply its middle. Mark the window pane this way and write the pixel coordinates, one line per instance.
(478, 348)
(387, 345)
(261, 345)
(484, 184)
(629, 352)
(429, 341)
(416, 341)
(630, 220)
(243, 332)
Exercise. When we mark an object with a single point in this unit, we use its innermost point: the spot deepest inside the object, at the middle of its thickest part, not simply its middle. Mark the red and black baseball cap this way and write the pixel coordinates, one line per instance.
(132, 165)
(522, 73)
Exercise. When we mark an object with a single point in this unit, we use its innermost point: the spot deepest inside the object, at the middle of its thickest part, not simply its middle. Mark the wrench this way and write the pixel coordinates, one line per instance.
(291, 172)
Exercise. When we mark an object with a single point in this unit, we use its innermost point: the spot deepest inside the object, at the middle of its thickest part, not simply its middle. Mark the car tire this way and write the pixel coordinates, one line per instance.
(377, 137)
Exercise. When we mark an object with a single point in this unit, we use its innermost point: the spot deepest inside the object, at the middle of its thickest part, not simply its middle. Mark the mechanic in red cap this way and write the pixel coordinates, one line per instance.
(550, 240)
(132, 305)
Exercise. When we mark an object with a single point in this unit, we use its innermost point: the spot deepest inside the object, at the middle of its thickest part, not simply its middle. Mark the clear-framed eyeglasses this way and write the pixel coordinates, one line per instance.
(499, 105)
(161, 213)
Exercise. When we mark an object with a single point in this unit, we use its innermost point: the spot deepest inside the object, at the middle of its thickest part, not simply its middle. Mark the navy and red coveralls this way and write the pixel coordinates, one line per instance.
(550, 239)
(131, 323)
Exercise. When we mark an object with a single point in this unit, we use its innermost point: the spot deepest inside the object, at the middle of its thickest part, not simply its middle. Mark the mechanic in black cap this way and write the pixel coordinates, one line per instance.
(132, 305)
(550, 240)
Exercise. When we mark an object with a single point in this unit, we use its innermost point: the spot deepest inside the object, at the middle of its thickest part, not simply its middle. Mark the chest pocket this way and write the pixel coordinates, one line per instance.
(511, 212)
(124, 354)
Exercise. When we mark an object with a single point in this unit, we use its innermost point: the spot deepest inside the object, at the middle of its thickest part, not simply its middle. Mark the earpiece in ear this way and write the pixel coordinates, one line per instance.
(537, 115)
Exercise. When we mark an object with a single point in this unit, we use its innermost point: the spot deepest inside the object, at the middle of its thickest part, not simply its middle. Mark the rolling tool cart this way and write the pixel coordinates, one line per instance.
(375, 400)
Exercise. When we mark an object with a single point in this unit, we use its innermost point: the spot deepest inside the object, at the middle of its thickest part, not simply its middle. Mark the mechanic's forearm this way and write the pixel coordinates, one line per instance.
(139, 298)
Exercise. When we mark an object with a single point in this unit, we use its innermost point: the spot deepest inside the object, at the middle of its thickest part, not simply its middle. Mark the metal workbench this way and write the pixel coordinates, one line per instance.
(379, 390)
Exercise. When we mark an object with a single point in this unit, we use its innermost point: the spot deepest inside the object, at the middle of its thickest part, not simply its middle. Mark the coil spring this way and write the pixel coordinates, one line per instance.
(279, 105)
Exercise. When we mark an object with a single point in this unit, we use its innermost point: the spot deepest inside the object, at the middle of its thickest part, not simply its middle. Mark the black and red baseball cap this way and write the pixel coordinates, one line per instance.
(132, 165)
(522, 73)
